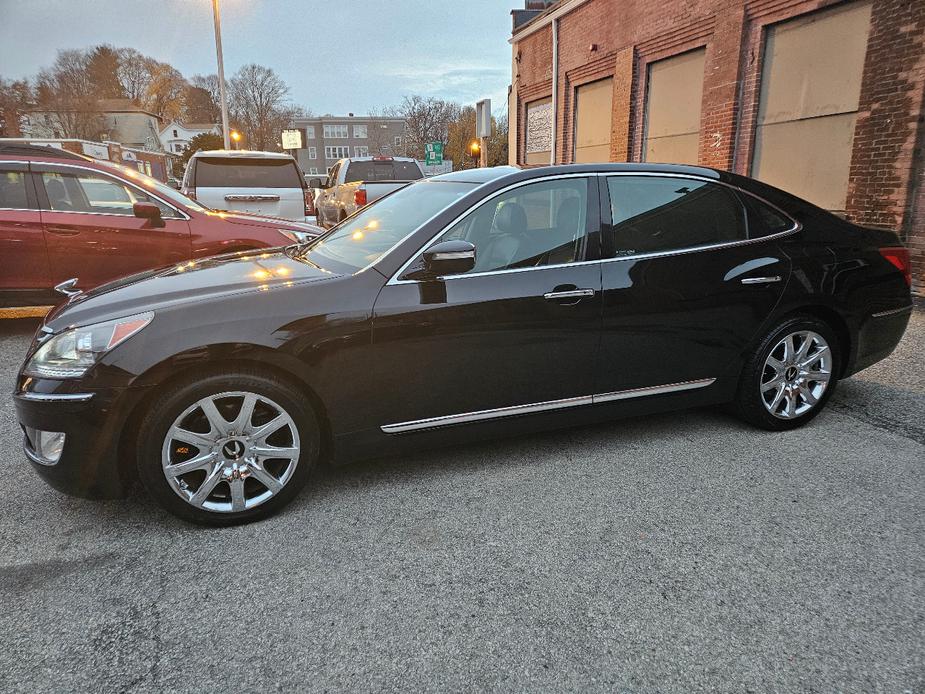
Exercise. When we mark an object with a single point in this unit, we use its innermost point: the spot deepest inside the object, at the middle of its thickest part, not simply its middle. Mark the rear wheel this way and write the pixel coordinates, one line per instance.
(229, 448)
(791, 375)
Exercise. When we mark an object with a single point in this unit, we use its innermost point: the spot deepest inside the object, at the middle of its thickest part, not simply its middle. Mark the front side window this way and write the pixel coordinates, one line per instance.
(367, 235)
(86, 192)
(13, 190)
(653, 214)
(530, 226)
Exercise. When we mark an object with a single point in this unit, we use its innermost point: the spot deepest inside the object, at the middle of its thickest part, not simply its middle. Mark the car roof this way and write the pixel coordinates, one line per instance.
(380, 158)
(21, 149)
(241, 154)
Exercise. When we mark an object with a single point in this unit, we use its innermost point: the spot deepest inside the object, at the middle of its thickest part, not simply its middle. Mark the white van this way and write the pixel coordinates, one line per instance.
(265, 183)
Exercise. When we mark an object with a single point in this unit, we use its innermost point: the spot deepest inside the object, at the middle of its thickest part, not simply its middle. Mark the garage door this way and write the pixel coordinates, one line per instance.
(810, 88)
(674, 96)
(593, 111)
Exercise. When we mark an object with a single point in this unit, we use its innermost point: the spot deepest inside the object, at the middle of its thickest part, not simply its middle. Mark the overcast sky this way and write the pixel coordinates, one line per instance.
(337, 56)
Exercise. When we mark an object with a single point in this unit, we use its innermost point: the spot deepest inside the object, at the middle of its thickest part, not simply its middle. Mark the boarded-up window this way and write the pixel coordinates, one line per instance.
(539, 132)
(593, 111)
(810, 88)
(675, 93)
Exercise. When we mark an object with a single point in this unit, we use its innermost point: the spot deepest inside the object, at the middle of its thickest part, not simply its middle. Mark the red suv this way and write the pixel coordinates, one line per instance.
(64, 216)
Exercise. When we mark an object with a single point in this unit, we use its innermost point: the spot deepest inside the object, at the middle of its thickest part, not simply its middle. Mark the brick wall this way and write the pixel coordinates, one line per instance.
(619, 38)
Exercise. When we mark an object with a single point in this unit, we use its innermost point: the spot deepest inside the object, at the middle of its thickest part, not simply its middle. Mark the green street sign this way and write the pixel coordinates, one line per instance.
(433, 153)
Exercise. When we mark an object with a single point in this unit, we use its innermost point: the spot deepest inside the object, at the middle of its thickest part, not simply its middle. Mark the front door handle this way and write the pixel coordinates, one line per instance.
(761, 280)
(62, 231)
(568, 294)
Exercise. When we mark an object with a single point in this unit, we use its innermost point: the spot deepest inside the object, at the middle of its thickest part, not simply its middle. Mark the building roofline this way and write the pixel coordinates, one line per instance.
(545, 18)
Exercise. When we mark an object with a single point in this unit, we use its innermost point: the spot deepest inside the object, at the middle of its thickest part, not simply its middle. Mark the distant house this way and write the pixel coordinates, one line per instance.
(175, 137)
(120, 120)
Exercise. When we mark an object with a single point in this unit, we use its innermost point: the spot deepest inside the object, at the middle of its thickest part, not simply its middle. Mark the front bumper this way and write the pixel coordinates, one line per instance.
(91, 463)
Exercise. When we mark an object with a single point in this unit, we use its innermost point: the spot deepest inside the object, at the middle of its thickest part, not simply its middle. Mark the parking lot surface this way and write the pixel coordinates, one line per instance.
(680, 552)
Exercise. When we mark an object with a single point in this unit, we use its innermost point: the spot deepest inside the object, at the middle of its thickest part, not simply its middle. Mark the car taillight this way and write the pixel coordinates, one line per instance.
(309, 202)
(189, 192)
(359, 197)
(899, 257)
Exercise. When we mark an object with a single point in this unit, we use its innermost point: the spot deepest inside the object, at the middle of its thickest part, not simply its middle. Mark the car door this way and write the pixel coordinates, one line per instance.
(24, 271)
(689, 282)
(518, 333)
(92, 233)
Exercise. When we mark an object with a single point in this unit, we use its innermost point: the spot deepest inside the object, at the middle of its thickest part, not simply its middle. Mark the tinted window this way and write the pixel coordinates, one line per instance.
(530, 226)
(233, 172)
(383, 171)
(13, 190)
(764, 220)
(87, 192)
(652, 214)
(364, 238)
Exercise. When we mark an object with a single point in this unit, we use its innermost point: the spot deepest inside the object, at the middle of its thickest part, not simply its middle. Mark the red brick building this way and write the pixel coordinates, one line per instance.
(820, 97)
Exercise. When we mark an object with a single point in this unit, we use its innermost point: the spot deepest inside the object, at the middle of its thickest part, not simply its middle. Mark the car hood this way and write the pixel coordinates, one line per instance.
(194, 281)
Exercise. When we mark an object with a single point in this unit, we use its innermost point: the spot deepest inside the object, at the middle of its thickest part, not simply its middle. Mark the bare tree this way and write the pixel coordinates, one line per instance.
(164, 95)
(15, 100)
(257, 101)
(427, 119)
(201, 101)
(134, 73)
(65, 93)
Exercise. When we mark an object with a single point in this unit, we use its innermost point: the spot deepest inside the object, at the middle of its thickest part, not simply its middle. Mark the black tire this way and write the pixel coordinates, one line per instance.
(171, 403)
(749, 404)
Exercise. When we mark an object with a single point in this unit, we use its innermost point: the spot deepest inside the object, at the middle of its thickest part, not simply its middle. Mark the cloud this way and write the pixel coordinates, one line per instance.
(466, 84)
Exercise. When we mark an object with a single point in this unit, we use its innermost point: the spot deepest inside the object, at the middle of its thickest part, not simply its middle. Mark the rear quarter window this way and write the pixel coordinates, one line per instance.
(234, 172)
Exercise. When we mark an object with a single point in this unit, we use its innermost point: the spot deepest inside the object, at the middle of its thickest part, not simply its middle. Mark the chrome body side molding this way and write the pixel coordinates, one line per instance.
(892, 312)
(515, 410)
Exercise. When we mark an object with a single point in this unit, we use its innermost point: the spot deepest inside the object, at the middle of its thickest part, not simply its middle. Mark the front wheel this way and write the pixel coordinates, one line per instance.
(228, 448)
(791, 375)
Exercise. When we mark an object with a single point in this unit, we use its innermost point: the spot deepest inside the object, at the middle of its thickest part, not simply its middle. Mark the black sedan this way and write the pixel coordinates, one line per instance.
(473, 304)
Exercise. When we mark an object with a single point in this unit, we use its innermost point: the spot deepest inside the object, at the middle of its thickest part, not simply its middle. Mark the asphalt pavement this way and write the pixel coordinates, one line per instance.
(675, 553)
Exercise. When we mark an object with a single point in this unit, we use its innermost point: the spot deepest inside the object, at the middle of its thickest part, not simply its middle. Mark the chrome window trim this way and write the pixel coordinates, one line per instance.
(176, 209)
(55, 397)
(545, 406)
(796, 227)
(19, 209)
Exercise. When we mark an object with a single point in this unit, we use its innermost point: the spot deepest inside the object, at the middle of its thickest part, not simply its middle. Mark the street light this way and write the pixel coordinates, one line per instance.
(236, 136)
(221, 72)
(475, 151)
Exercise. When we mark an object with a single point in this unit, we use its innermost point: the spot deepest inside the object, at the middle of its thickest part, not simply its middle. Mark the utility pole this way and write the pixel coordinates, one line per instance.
(221, 73)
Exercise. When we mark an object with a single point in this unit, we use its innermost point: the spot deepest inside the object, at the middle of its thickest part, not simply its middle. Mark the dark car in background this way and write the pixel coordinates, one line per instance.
(474, 304)
(64, 216)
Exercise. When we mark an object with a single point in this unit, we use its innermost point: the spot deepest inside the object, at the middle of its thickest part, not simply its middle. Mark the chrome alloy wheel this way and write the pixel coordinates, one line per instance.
(796, 374)
(230, 452)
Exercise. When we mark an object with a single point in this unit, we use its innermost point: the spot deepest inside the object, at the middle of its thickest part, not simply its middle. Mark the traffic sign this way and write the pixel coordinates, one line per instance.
(433, 153)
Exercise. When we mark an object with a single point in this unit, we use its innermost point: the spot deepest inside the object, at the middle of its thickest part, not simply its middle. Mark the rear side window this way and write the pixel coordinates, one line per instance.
(13, 190)
(653, 214)
(383, 170)
(234, 172)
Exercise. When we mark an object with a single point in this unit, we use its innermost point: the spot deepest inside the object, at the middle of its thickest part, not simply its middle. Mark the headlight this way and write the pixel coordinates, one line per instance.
(71, 353)
(297, 236)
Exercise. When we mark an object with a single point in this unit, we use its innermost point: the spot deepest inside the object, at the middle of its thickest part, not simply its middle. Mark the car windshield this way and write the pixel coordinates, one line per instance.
(156, 186)
(383, 170)
(366, 236)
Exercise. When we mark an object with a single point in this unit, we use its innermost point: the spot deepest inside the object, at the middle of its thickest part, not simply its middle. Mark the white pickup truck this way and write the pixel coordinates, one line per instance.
(353, 183)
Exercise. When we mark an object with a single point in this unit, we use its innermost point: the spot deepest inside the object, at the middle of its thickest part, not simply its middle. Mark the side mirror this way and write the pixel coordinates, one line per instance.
(147, 210)
(173, 183)
(446, 258)
(315, 183)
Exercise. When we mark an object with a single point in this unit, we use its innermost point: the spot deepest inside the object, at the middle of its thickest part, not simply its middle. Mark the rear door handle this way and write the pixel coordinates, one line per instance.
(569, 294)
(63, 231)
(761, 280)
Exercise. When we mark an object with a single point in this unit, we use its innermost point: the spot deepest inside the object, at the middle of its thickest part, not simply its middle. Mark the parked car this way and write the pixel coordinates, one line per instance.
(265, 183)
(64, 216)
(353, 183)
(478, 303)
